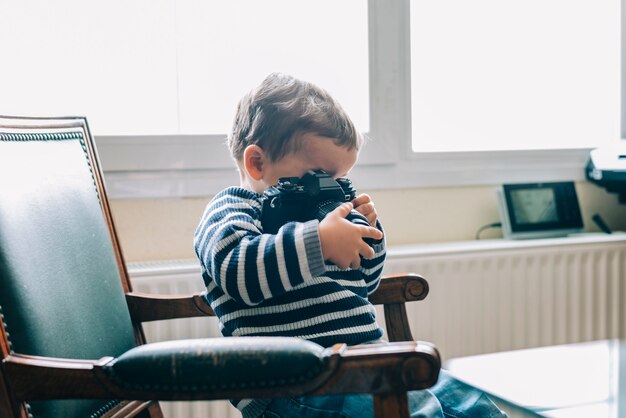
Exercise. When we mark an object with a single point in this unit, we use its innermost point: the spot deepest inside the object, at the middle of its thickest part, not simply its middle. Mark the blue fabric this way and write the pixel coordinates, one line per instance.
(448, 398)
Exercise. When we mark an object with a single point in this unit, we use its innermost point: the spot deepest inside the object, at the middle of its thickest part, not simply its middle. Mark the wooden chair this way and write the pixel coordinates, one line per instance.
(71, 340)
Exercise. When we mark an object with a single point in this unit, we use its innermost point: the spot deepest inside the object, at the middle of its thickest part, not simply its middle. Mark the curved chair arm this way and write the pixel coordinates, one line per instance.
(392, 293)
(400, 288)
(145, 307)
(211, 368)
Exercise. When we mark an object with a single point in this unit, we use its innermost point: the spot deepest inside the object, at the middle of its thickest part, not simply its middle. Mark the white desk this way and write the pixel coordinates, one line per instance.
(586, 380)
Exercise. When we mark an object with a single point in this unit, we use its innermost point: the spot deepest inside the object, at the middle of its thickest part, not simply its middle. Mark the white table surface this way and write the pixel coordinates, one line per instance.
(565, 381)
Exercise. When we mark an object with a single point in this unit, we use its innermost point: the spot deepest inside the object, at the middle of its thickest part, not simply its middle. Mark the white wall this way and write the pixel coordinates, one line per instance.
(161, 229)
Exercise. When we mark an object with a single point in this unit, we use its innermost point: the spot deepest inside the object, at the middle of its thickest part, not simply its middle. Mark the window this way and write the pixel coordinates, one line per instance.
(113, 61)
(527, 86)
(172, 67)
(511, 75)
(227, 47)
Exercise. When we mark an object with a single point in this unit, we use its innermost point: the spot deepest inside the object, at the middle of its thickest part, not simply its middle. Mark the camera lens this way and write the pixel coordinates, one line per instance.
(324, 208)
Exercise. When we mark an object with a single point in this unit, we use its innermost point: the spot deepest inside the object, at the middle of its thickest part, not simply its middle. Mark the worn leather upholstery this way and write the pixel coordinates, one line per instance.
(62, 294)
(218, 363)
(60, 290)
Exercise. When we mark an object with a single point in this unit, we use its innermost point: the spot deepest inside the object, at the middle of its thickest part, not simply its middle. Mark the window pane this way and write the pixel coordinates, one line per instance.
(228, 47)
(513, 74)
(163, 67)
(113, 62)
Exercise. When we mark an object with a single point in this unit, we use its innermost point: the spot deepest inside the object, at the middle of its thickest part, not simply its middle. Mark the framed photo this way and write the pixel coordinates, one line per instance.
(539, 210)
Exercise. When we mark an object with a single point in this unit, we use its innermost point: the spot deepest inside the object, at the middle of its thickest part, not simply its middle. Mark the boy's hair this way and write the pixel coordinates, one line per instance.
(277, 113)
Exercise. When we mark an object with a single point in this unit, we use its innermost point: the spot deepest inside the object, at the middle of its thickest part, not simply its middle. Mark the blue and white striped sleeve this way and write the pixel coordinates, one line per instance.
(372, 268)
(246, 264)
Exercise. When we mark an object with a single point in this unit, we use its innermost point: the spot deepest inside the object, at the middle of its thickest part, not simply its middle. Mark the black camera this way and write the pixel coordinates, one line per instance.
(301, 199)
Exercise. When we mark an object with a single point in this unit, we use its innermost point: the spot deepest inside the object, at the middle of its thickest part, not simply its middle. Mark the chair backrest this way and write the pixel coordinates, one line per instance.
(60, 261)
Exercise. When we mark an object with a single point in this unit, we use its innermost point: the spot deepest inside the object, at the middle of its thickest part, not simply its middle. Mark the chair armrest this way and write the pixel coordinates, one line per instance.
(36, 377)
(378, 368)
(145, 307)
(400, 288)
(393, 292)
(383, 368)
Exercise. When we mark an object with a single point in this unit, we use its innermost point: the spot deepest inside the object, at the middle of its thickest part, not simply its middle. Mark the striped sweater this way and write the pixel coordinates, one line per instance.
(279, 285)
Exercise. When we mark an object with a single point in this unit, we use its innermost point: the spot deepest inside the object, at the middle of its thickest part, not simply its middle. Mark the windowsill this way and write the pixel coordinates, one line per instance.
(396, 252)
(200, 165)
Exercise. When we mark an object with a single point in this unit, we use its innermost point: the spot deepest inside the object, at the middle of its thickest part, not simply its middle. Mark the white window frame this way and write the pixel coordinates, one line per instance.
(200, 165)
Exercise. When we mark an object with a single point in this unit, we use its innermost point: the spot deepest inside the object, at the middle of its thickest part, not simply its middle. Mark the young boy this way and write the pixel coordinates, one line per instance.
(310, 279)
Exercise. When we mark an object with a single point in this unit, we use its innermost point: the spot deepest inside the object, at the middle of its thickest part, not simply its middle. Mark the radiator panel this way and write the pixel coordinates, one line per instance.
(483, 298)
(481, 302)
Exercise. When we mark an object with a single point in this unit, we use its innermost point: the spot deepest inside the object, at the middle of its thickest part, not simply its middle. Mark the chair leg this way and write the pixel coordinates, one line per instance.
(391, 405)
(155, 410)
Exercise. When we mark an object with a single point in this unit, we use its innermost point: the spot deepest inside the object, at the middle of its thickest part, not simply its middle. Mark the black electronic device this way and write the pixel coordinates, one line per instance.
(606, 167)
(301, 199)
(539, 210)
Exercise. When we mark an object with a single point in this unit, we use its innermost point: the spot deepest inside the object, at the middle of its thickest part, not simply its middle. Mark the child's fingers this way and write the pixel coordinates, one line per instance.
(371, 232)
(369, 211)
(356, 263)
(365, 209)
(366, 251)
(343, 210)
(361, 199)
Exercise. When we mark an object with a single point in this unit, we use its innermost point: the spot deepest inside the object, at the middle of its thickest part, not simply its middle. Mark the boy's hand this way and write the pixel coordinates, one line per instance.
(364, 205)
(342, 241)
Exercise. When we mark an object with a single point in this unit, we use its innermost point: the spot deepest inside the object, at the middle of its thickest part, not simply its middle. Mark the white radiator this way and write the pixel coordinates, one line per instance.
(485, 296)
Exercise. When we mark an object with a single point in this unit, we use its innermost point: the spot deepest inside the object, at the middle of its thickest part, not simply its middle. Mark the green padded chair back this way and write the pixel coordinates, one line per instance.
(61, 291)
